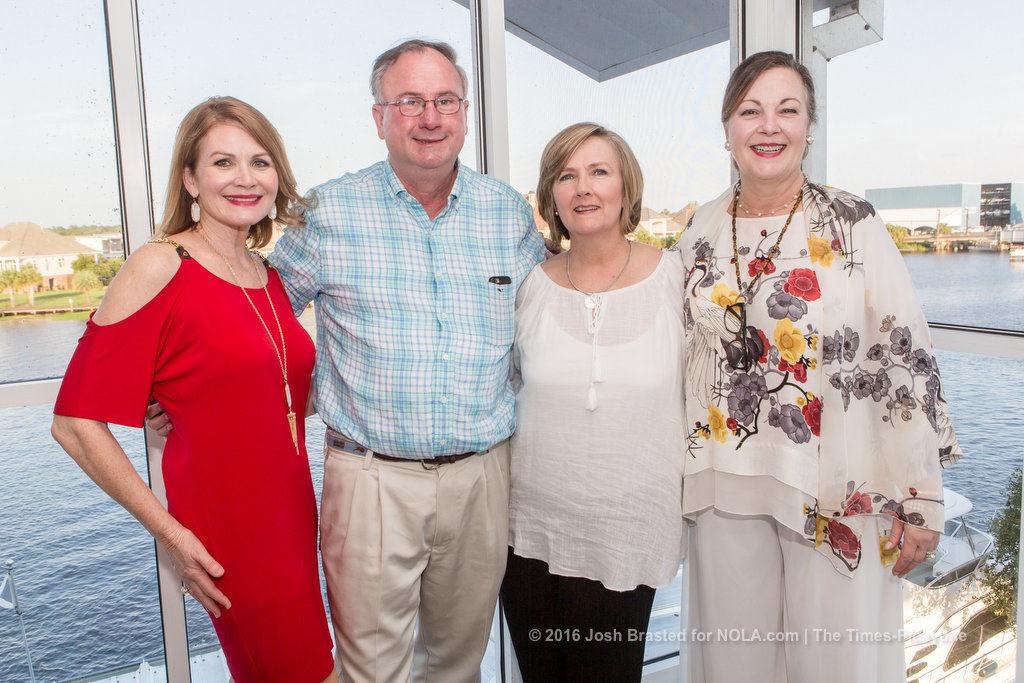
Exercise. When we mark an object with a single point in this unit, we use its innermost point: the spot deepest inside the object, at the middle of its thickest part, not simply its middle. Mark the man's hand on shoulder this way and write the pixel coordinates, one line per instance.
(157, 420)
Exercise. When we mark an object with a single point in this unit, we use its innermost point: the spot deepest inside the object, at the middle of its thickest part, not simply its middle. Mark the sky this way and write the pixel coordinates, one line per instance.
(937, 101)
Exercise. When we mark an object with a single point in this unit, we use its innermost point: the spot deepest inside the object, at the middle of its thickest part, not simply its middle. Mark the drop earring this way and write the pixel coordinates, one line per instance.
(194, 209)
(273, 211)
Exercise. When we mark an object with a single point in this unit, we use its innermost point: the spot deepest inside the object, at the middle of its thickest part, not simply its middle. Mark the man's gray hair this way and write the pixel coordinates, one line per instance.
(388, 58)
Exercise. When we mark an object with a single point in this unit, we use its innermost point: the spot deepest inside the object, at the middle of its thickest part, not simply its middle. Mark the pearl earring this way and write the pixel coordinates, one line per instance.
(727, 146)
(810, 139)
(194, 209)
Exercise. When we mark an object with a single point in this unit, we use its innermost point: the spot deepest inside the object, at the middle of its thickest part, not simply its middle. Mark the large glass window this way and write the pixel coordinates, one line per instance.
(308, 72)
(83, 568)
(669, 114)
(59, 216)
(922, 129)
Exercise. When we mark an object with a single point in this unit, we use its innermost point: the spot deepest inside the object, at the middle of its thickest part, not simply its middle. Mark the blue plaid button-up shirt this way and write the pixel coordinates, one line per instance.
(414, 325)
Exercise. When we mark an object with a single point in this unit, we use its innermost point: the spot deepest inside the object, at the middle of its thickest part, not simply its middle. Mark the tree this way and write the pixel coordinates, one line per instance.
(943, 229)
(999, 576)
(670, 240)
(9, 281)
(86, 281)
(86, 229)
(106, 269)
(83, 262)
(29, 276)
(898, 233)
(643, 237)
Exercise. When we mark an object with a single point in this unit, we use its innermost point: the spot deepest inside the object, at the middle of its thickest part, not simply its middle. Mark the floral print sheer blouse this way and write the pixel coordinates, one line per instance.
(818, 401)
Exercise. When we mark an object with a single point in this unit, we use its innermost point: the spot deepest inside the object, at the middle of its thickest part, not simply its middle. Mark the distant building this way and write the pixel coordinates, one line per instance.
(108, 244)
(50, 253)
(684, 215)
(961, 206)
(660, 224)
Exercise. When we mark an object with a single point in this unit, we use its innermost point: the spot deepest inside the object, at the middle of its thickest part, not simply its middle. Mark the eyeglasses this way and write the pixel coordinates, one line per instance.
(737, 351)
(414, 106)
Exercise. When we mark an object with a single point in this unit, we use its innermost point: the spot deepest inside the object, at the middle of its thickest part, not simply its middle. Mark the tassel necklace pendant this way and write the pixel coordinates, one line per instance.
(291, 417)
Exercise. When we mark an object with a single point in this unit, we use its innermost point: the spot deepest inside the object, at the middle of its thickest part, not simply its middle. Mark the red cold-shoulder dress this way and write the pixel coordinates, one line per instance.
(232, 473)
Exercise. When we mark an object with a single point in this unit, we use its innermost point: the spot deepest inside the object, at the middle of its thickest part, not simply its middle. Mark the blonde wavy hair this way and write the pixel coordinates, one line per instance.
(556, 155)
(291, 207)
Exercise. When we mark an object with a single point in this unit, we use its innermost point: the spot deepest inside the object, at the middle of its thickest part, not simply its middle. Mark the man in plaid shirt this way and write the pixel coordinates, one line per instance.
(414, 264)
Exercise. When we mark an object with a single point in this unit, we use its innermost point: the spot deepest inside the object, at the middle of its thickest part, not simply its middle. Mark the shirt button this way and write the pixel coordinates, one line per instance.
(444, 356)
(444, 399)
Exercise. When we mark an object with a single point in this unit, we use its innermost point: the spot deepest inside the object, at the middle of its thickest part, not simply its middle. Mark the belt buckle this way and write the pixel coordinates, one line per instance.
(433, 463)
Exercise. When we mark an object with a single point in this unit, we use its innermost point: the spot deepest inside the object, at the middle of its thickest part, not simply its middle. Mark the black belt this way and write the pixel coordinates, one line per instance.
(341, 443)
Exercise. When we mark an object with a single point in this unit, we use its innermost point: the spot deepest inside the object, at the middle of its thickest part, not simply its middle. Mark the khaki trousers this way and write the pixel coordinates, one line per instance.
(751, 576)
(406, 546)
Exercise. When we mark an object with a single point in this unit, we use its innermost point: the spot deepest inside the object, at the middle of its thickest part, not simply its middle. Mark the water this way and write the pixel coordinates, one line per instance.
(84, 567)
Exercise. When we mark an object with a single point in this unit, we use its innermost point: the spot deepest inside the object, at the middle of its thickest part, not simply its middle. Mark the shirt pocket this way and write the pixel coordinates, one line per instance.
(496, 305)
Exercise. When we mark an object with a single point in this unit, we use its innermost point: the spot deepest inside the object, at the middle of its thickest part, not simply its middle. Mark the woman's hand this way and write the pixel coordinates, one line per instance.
(197, 569)
(915, 543)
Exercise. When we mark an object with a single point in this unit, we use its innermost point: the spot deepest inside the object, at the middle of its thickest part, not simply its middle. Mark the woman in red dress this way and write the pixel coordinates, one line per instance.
(202, 324)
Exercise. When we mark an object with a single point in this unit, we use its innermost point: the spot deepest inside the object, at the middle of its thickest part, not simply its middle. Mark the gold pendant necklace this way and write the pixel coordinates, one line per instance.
(282, 355)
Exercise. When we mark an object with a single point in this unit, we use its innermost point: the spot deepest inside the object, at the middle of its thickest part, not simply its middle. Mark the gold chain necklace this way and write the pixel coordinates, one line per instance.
(769, 255)
(589, 301)
(282, 355)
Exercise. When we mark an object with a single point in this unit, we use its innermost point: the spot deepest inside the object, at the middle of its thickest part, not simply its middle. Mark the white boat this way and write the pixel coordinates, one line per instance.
(951, 634)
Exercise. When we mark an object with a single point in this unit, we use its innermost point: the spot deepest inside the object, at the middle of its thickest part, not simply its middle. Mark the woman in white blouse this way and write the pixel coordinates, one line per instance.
(597, 457)
(816, 422)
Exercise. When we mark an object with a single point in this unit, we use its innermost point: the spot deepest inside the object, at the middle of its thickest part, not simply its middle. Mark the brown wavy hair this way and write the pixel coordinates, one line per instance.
(291, 207)
(751, 68)
(556, 154)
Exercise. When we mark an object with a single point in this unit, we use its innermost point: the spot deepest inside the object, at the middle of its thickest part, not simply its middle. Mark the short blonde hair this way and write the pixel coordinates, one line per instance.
(554, 158)
(197, 123)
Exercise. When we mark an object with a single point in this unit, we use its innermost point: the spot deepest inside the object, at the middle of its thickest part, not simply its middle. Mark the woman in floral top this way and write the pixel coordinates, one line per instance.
(817, 427)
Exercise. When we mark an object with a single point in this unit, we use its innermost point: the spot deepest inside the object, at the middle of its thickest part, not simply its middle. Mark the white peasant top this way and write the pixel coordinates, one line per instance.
(597, 457)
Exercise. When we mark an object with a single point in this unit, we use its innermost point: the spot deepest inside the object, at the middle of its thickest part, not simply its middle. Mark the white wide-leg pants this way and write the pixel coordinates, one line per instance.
(766, 607)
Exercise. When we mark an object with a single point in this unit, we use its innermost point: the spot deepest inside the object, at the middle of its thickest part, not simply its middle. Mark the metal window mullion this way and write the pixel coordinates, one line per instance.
(136, 203)
(490, 79)
(490, 82)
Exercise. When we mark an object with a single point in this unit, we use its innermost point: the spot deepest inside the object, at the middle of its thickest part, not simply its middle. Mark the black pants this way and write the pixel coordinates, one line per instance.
(571, 629)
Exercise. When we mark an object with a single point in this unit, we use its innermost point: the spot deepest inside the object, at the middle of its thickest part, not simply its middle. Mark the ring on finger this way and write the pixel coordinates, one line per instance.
(185, 590)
